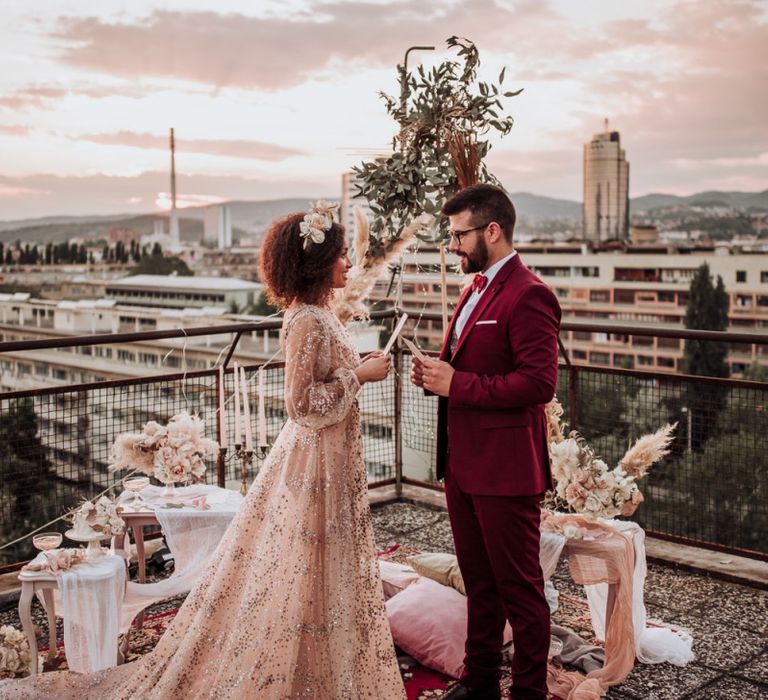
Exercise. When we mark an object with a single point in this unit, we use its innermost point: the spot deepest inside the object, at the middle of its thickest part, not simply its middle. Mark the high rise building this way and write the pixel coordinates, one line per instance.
(217, 226)
(606, 188)
(349, 200)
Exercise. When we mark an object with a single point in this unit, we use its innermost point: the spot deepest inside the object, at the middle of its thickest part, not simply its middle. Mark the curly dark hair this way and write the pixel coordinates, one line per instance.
(291, 273)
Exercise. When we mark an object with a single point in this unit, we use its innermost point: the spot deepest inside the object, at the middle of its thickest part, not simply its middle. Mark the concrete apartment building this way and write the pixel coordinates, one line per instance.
(78, 428)
(644, 285)
(605, 213)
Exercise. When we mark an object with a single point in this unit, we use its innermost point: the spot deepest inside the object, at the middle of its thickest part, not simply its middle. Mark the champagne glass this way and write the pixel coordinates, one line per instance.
(135, 484)
(46, 541)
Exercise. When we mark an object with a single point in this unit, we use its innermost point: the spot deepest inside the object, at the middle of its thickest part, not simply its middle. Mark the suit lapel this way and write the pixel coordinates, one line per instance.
(482, 303)
(445, 352)
(485, 299)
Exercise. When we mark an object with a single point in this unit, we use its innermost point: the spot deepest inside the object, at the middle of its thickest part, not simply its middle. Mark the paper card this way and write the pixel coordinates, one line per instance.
(395, 333)
(414, 349)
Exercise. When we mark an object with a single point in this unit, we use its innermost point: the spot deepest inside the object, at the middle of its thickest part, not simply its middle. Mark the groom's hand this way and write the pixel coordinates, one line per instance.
(417, 373)
(437, 376)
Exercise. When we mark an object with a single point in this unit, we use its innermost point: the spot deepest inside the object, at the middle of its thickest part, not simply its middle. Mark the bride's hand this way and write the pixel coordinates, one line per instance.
(370, 356)
(373, 368)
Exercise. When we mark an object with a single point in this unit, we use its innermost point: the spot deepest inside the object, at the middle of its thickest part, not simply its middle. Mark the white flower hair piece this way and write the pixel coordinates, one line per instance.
(317, 221)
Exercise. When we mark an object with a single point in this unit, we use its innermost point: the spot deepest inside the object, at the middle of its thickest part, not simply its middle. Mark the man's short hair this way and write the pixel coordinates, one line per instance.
(486, 203)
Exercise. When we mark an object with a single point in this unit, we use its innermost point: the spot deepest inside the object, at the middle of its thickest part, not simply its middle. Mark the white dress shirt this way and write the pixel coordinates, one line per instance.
(474, 297)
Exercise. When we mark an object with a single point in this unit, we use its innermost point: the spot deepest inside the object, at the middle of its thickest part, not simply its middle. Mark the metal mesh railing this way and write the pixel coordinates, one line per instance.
(712, 489)
(56, 442)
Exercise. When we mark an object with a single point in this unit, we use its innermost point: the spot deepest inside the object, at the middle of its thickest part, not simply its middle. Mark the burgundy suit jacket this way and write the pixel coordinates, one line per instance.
(492, 429)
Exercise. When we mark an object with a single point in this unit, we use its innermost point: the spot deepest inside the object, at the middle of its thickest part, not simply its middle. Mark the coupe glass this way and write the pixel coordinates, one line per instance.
(46, 541)
(135, 484)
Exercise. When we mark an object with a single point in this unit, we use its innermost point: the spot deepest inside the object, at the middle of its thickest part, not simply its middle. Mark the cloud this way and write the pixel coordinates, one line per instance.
(46, 96)
(254, 150)
(14, 129)
(277, 52)
(41, 195)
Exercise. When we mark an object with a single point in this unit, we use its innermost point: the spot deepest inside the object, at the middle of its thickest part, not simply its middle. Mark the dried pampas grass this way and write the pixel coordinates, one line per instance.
(349, 303)
(646, 451)
(362, 231)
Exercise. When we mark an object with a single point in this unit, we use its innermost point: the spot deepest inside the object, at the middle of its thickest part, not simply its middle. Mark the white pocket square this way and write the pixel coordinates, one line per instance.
(484, 323)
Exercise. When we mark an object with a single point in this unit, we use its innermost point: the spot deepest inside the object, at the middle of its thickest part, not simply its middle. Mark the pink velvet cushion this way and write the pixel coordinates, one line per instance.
(395, 577)
(429, 622)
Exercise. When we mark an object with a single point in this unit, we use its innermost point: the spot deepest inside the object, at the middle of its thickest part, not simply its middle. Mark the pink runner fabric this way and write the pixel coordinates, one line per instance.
(612, 562)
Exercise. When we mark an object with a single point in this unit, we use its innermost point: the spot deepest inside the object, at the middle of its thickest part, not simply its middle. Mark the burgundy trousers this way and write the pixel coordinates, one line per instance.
(497, 547)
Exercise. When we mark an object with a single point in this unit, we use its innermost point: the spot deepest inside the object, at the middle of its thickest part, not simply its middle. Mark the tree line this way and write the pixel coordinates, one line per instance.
(72, 253)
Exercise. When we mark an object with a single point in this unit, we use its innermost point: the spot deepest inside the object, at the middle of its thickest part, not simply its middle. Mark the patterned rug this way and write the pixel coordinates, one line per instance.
(420, 683)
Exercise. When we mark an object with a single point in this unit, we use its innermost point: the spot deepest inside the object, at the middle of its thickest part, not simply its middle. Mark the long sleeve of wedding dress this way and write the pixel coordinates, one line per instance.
(317, 395)
(291, 605)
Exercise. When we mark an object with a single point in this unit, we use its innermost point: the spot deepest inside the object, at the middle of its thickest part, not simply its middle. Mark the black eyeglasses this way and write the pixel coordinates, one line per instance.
(458, 235)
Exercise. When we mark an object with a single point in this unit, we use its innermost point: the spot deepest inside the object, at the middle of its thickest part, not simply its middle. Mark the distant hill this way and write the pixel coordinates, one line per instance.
(534, 206)
(250, 218)
(733, 200)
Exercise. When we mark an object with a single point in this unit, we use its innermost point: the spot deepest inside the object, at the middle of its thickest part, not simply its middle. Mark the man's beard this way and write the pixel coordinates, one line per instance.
(476, 260)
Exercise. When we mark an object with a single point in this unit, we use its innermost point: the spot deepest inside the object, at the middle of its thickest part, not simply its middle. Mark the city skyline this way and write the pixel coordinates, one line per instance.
(278, 100)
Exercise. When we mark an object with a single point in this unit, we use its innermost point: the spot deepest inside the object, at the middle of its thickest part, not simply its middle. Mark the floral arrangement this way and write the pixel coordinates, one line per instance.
(58, 561)
(15, 658)
(317, 221)
(101, 516)
(585, 484)
(171, 454)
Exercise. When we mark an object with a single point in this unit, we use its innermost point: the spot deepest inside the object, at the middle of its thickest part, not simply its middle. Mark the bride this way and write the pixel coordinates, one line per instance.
(291, 604)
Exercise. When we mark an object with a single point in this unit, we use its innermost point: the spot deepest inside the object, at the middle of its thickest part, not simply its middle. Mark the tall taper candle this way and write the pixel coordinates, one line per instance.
(262, 411)
(238, 440)
(222, 411)
(443, 288)
(246, 413)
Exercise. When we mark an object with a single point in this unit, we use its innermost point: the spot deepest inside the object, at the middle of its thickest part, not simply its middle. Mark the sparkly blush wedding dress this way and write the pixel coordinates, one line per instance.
(291, 605)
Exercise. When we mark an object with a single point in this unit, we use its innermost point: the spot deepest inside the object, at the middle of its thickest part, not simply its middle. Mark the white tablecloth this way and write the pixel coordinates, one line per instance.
(89, 600)
(192, 535)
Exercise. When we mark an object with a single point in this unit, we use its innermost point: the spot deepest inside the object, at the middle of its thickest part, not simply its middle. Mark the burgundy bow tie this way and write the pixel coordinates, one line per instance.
(479, 283)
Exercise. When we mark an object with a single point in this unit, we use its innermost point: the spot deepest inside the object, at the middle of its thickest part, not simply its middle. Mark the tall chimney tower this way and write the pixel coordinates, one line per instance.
(174, 219)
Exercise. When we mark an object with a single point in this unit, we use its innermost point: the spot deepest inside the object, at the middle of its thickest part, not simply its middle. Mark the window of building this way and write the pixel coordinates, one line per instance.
(60, 374)
(599, 358)
(669, 343)
(624, 296)
(644, 360)
(600, 295)
(578, 354)
(561, 293)
(582, 335)
(636, 274)
(126, 356)
(642, 341)
(741, 275)
(147, 358)
(623, 361)
(666, 362)
(744, 300)
(41, 370)
(764, 277)
(666, 297)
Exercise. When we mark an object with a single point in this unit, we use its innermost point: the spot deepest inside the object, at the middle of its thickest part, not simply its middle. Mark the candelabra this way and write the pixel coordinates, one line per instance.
(246, 458)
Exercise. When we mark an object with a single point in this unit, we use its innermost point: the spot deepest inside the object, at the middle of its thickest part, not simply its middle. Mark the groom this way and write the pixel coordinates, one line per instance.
(497, 369)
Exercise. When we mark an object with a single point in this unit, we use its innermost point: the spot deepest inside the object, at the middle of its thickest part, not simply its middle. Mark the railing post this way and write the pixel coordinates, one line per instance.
(398, 398)
(573, 398)
(221, 456)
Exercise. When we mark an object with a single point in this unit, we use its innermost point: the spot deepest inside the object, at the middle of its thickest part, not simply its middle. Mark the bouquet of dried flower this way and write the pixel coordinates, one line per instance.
(172, 454)
(583, 482)
(371, 256)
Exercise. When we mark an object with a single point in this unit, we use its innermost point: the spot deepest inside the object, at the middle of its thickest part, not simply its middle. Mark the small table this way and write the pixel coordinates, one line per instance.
(31, 583)
(136, 522)
(45, 583)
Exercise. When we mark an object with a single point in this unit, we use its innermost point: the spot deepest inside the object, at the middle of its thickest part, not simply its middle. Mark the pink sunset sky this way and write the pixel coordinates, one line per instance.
(277, 98)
